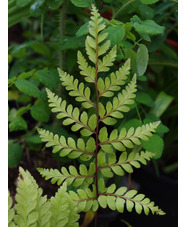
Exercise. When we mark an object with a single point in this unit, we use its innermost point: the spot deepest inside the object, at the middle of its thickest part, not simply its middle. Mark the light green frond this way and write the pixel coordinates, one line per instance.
(11, 212)
(68, 147)
(87, 71)
(120, 198)
(71, 176)
(31, 207)
(124, 164)
(106, 88)
(107, 61)
(120, 104)
(76, 89)
(86, 199)
(128, 138)
(34, 210)
(62, 208)
(71, 114)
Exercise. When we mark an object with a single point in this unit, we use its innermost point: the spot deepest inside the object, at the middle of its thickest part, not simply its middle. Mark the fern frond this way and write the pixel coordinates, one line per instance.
(11, 212)
(30, 208)
(69, 146)
(103, 65)
(76, 89)
(115, 81)
(87, 71)
(126, 138)
(86, 199)
(72, 115)
(91, 44)
(120, 198)
(124, 164)
(71, 176)
(60, 211)
(119, 104)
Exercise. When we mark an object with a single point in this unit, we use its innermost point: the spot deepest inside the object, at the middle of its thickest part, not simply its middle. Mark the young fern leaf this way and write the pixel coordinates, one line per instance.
(119, 104)
(11, 212)
(72, 115)
(124, 164)
(31, 207)
(68, 147)
(117, 200)
(106, 88)
(125, 139)
(60, 212)
(76, 89)
(71, 176)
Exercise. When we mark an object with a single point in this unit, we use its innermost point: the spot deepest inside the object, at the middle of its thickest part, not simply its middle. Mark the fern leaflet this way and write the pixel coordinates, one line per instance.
(71, 176)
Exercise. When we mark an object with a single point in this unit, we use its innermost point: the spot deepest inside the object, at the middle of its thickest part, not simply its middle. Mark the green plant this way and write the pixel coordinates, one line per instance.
(99, 144)
(33, 209)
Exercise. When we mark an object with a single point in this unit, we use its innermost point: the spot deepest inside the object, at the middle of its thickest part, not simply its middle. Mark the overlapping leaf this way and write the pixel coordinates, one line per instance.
(124, 164)
(84, 177)
(68, 147)
(120, 198)
(119, 104)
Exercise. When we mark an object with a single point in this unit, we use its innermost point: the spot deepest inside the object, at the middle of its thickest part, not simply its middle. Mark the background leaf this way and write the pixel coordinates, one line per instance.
(146, 27)
(22, 3)
(142, 58)
(54, 4)
(161, 103)
(144, 98)
(18, 123)
(81, 3)
(147, 2)
(28, 88)
(15, 153)
(155, 144)
(40, 111)
(115, 34)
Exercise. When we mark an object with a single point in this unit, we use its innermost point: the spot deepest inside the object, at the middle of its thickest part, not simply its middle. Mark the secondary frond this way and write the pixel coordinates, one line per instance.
(125, 138)
(68, 147)
(71, 176)
(72, 115)
(124, 164)
(106, 88)
(86, 199)
(120, 198)
(31, 207)
(11, 212)
(61, 210)
(76, 89)
(119, 104)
